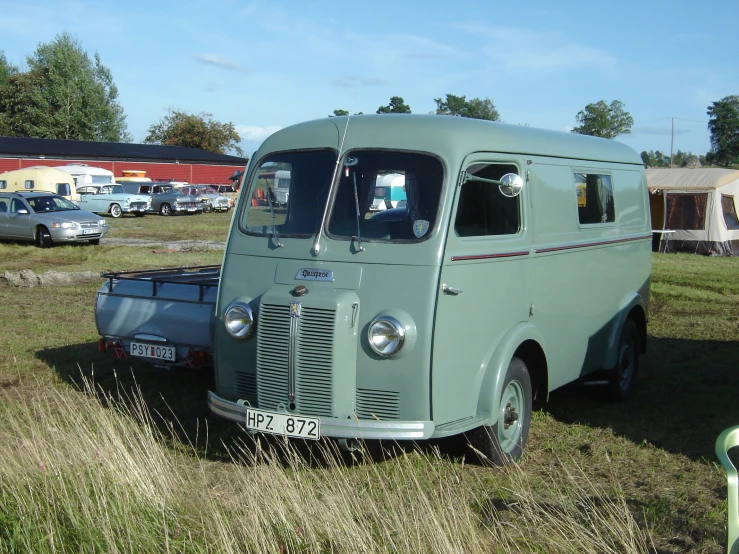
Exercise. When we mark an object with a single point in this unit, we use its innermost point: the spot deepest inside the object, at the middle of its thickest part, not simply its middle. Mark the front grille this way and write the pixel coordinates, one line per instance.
(313, 359)
(138, 205)
(378, 404)
(246, 386)
(89, 225)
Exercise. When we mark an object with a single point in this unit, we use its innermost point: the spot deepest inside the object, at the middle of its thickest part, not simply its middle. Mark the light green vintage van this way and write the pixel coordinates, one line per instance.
(492, 286)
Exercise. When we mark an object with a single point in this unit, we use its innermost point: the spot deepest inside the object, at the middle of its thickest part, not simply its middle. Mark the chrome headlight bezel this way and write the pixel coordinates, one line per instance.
(239, 320)
(386, 336)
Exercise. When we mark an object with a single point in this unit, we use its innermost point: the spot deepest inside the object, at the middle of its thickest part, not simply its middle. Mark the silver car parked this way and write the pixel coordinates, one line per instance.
(165, 199)
(47, 219)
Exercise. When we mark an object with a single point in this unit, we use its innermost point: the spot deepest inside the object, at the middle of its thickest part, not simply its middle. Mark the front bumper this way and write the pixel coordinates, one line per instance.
(77, 235)
(336, 427)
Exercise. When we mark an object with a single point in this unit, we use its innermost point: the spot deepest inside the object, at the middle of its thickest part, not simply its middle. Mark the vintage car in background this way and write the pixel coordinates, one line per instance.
(113, 200)
(165, 199)
(47, 218)
(211, 199)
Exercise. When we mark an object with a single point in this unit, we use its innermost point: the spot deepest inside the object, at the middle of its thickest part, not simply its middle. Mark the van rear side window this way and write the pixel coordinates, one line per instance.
(594, 198)
(28, 185)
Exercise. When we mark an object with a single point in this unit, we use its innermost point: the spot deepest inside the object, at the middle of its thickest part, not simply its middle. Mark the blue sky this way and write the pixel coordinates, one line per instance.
(264, 65)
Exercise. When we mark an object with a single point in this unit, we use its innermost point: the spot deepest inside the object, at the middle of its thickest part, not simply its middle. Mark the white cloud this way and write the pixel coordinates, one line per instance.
(517, 50)
(219, 61)
(254, 133)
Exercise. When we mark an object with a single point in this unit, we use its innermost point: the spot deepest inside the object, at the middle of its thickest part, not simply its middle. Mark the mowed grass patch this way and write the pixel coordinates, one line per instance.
(210, 226)
(596, 476)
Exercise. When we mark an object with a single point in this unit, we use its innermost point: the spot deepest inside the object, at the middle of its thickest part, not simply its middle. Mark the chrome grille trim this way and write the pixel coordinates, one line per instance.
(309, 345)
(378, 404)
(89, 225)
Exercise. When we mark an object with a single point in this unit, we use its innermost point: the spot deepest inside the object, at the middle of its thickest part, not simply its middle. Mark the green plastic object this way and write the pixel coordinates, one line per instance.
(727, 440)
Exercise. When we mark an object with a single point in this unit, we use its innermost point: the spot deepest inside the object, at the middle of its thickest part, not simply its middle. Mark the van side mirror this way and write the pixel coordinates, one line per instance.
(22, 211)
(511, 185)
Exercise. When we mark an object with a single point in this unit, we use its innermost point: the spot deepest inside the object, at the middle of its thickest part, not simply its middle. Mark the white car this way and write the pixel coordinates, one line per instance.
(113, 200)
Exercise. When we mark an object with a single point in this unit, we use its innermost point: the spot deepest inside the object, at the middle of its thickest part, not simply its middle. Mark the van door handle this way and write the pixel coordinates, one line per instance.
(446, 289)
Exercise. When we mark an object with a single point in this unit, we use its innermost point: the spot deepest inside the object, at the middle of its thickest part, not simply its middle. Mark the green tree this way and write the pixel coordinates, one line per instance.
(604, 120)
(7, 70)
(339, 113)
(723, 124)
(396, 105)
(476, 108)
(179, 128)
(64, 95)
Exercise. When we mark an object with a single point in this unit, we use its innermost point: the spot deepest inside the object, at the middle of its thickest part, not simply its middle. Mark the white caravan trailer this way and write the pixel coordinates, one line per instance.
(86, 175)
(695, 210)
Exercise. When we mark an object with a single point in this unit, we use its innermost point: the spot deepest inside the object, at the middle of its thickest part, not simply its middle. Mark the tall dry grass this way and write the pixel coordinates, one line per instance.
(88, 473)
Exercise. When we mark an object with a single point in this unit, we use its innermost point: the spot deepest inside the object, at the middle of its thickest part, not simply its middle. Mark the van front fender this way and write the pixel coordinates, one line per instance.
(496, 364)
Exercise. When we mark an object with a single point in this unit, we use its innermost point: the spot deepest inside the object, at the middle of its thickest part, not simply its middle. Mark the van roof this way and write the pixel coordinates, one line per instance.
(440, 134)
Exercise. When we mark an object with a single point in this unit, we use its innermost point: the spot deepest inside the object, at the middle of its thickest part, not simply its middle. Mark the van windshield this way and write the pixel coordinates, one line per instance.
(387, 196)
(397, 195)
(297, 208)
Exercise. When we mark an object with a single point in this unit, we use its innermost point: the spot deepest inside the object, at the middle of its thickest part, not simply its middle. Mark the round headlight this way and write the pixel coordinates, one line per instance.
(239, 320)
(386, 335)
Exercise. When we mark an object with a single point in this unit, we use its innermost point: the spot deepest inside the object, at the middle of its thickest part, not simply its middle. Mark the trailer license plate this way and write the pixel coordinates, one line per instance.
(157, 351)
(283, 424)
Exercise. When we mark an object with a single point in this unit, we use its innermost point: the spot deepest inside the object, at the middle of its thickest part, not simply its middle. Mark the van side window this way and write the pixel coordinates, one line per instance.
(3, 184)
(482, 209)
(3, 205)
(28, 184)
(594, 198)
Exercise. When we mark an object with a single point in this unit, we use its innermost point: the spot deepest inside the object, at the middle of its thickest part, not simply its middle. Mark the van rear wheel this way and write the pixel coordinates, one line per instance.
(622, 378)
(504, 441)
(165, 209)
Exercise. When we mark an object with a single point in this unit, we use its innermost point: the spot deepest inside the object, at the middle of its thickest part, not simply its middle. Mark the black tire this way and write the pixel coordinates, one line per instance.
(94, 242)
(165, 209)
(622, 378)
(207, 207)
(43, 237)
(115, 211)
(504, 441)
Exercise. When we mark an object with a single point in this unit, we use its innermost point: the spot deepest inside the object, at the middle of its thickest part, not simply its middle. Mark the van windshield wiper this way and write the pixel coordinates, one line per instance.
(350, 162)
(275, 236)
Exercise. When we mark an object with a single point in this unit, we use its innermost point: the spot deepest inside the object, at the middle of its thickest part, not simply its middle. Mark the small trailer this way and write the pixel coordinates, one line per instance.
(160, 316)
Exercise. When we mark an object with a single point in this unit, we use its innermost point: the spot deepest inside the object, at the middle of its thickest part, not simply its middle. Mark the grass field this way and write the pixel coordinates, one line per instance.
(101, 455)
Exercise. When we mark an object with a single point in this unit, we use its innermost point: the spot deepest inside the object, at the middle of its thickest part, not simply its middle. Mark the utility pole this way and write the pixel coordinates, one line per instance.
(672, 140)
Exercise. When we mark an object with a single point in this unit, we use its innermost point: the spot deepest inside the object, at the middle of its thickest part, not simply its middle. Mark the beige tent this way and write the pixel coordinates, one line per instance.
(695, 210)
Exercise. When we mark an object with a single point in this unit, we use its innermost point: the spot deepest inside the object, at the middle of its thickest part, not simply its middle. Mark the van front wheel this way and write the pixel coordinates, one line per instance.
(504, 441)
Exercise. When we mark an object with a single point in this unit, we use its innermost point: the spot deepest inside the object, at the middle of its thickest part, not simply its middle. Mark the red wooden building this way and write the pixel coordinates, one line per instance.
(161, 163)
